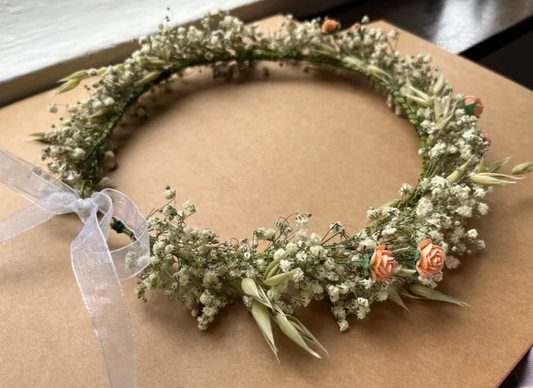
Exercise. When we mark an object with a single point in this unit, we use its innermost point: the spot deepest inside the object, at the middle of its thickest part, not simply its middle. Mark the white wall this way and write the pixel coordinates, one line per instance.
(35, 34)
(42, 41)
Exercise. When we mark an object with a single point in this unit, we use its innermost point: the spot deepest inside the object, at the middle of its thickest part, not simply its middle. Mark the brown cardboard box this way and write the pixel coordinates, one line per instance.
(245, 153)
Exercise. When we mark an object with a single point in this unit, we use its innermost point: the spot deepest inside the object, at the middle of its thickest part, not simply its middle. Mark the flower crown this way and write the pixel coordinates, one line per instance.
(407, 241)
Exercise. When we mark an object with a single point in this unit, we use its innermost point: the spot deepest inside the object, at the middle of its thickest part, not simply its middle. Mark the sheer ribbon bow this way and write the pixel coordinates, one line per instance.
(98, 270)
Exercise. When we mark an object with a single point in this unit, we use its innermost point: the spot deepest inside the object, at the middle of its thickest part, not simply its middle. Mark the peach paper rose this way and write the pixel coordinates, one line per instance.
(329, 25)
(478, 109)
(382, 265)
(431, 259)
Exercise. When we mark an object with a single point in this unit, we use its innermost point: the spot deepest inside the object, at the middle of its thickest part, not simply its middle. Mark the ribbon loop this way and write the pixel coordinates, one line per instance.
(98, 271)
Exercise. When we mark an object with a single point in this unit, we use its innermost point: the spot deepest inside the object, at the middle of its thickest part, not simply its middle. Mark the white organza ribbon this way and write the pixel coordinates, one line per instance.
(98, 271)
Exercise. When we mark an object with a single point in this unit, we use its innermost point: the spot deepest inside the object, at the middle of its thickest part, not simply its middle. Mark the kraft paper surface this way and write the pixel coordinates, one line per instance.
(245, 153)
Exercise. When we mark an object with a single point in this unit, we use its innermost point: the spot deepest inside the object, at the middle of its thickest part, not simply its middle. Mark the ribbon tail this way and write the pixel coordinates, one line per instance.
(23, 221)
(35, 214)
(102, 293)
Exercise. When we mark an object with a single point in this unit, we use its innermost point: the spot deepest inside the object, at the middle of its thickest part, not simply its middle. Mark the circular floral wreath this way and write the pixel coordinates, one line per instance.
(402, 250)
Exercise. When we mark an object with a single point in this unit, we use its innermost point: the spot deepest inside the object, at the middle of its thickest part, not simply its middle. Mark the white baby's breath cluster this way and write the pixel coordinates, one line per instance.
(280, 269)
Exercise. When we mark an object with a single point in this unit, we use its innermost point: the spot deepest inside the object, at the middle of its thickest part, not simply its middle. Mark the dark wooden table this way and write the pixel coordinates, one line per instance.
(497, 34)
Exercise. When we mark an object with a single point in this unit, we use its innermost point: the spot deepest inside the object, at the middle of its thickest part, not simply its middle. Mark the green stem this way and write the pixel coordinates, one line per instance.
(119, 227)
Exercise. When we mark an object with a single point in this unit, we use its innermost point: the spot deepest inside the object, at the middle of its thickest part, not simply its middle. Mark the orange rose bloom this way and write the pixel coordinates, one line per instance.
(431, 258)
(382, 265)
(469, 100)
(329, 26)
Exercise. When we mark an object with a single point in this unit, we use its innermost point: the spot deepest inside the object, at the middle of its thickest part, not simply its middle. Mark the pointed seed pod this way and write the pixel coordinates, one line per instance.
(456, 176)
(439, 85)
(67, 86)
(150, 77)
(522, 168)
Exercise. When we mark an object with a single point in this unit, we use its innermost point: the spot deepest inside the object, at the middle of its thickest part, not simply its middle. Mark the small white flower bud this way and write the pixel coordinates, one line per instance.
(109, 101)
(170, 193)
(189, 207)
(52, 108)
(78, 153)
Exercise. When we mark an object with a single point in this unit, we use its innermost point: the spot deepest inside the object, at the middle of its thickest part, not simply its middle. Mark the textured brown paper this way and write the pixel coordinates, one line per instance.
(245, 153)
